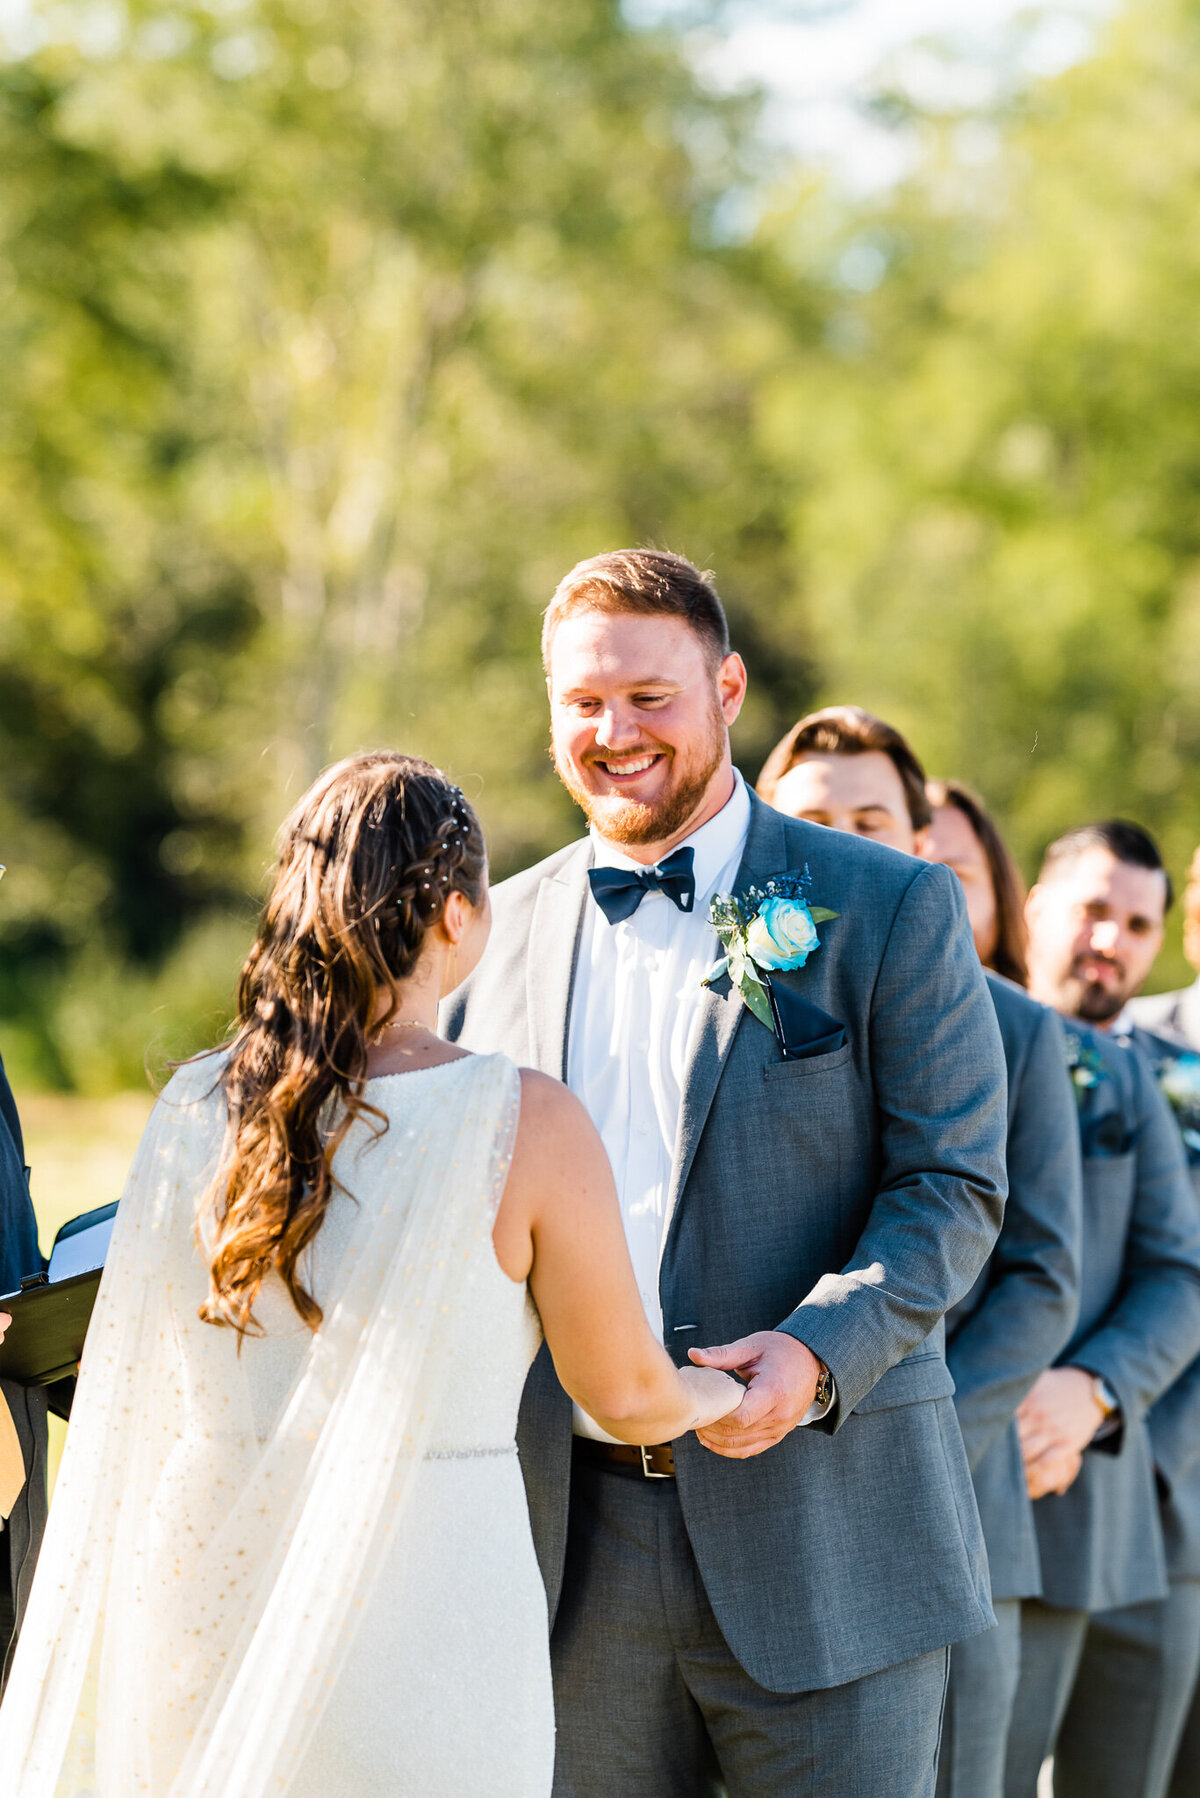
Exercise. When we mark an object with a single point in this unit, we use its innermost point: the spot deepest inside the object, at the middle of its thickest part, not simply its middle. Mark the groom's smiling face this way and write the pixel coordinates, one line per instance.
(640, 720)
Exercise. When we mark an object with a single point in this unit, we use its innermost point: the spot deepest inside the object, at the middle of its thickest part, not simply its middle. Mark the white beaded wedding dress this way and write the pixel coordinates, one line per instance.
(306, 1570)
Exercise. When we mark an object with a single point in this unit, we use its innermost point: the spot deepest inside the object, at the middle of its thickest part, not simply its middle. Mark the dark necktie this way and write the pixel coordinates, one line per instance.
(619, 891)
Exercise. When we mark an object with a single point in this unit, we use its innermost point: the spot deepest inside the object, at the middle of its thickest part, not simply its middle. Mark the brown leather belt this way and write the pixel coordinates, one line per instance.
(656, 1463)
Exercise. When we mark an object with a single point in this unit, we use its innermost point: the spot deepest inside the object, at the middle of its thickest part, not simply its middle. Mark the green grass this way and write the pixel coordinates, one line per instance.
(79, 1151)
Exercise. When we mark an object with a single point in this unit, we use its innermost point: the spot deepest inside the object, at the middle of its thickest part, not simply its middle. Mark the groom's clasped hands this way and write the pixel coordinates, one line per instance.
(781, 1377)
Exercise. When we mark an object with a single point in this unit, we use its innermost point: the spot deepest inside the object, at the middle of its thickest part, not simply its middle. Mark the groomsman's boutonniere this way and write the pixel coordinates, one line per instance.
(1085, 1066)
(1179, 1078)
(765, 930)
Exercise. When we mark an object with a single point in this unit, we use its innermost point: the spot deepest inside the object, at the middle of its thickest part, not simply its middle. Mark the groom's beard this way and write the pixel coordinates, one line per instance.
(631, 822)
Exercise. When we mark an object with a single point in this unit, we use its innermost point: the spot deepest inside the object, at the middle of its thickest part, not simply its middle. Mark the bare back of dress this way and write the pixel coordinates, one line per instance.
(306, 1569)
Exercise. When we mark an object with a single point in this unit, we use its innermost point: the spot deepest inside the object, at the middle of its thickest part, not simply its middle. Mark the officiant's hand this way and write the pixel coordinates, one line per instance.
(5, 1320)
(781, 1381)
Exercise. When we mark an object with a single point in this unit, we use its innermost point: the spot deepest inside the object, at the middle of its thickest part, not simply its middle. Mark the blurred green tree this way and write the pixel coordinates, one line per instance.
(997, 455)
(113, 606)
(336, 335)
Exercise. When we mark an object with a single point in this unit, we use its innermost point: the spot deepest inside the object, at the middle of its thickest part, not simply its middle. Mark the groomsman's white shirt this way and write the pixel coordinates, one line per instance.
(633, 1013)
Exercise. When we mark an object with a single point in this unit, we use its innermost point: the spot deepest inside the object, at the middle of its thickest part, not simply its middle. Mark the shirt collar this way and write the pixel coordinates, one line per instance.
(715, 845)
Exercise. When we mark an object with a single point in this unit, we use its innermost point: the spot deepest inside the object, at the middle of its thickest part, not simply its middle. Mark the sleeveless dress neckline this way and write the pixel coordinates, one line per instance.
(412, 1073)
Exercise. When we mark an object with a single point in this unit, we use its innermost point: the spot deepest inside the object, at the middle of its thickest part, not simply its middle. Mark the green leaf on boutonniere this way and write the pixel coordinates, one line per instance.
(755, 995)
(821, 914)
(745, 976)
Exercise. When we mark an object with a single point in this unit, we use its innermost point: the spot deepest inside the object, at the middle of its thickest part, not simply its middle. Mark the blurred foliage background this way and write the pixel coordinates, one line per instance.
(332, 334)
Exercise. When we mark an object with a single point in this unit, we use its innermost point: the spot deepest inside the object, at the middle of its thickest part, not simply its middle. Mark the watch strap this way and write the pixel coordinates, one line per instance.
(1106, 1398)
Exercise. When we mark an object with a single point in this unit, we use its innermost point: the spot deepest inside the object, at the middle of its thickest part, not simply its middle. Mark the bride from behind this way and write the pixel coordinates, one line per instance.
(289, 1551)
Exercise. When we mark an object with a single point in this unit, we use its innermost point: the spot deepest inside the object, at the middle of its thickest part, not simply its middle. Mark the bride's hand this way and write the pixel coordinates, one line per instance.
(713, 1393)
(5, 1320)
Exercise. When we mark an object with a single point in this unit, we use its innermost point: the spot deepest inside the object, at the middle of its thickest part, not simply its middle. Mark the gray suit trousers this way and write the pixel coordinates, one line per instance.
(1051, 1646)
(651, 1703)
(1130, 1700)
(983, 1687)
(1185, 1780)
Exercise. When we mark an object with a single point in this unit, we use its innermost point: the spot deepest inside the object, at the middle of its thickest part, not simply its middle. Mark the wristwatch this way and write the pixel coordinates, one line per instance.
(1105, 1397)
(824, 1391)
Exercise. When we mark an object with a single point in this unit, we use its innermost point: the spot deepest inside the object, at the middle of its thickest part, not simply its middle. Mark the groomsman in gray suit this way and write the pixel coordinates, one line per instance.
(770, 1604)
(851, 769)
(1097, 1651)
(1147, 1658)
(1166, 1027)
(1174, 1016)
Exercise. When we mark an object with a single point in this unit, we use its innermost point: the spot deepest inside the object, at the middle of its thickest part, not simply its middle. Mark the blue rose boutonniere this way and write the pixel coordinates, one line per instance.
(763, 931)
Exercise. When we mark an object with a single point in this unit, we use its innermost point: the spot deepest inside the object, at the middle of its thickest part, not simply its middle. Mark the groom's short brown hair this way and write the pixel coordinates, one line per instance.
(646, 581)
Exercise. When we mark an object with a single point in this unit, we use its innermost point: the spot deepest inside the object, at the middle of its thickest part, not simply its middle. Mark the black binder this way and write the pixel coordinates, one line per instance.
(51, 1311)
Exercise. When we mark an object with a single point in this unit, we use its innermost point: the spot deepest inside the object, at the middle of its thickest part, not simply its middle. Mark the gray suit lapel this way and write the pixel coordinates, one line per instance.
(550, 960)
(721, 1011)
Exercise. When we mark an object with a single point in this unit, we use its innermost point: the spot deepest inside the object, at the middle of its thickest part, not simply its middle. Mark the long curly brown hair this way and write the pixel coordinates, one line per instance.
(366, 862)
(1008, 889)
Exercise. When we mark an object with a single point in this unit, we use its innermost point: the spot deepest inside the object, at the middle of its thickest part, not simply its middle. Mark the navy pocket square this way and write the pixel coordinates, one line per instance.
(803, 1029)
(1105, 1137)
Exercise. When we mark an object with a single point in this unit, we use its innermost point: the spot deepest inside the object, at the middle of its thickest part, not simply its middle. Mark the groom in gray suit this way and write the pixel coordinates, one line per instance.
(769, 1603)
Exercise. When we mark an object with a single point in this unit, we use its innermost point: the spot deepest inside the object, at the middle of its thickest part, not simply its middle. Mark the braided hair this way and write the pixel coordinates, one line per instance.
(367, 861)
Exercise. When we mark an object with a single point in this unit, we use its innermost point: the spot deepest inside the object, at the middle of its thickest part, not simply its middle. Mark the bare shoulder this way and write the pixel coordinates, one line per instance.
(558, 1153)
(550, 1108)
(557, 1143)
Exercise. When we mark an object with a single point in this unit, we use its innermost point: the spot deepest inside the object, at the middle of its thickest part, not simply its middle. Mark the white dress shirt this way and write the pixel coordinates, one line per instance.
(633, 1014)
(636, 998)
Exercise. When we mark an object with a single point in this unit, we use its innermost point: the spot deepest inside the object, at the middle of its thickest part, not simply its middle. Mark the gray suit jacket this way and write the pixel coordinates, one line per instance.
(1020, 1312)
(1139, 1325)
(1174, 1422)
(849, 1199)
(1175, 1016)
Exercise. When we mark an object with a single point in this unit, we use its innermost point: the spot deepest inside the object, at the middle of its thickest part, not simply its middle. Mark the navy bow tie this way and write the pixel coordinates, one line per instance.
(619, 891)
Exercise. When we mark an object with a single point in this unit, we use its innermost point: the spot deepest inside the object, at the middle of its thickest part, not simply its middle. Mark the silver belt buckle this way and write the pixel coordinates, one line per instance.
(648, 1471)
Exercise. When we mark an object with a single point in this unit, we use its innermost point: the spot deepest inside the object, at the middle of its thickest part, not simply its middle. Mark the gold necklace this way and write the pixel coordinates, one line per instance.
(405, 1024)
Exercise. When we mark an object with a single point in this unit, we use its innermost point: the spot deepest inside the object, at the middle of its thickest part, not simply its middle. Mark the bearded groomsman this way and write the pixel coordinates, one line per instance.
(851, 770)
(1108, 1650)
(811, 1182)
